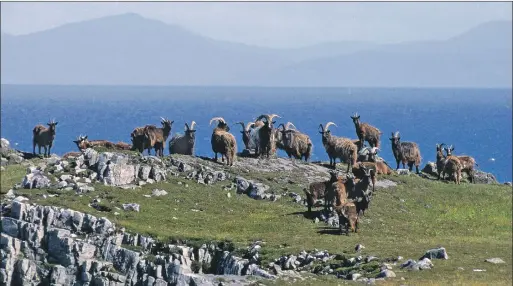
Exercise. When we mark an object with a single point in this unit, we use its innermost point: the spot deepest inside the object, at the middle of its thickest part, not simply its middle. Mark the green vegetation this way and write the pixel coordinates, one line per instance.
(473, 222)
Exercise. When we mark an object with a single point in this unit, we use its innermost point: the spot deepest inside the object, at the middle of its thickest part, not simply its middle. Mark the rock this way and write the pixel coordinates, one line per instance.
(90, 157)
(158, 193)
(425, 264)
(242, 184)
(131, 207)
(62, 185)
(182, 167)
(430, 169)
(495, 260)
(157, 174)
(10, 194)
(4, 144)
(355, 276)
(2, 168)
(119, 174)
(508, 184)
(65, 177)
(15, 158)
(436, 253)
(84, 189)
(359, 247)
(35, 180)
(386, 274)
(144, 172)
(403, 172)
(481, 177)
(257, 190)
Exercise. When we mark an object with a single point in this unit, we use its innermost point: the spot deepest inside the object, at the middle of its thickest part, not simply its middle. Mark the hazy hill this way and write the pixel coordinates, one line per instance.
(130, 49)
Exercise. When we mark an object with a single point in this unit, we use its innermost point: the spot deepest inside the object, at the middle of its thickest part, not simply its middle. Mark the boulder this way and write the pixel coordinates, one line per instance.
(35, 180)
(436, 253)
(481, 177)
(430, 169)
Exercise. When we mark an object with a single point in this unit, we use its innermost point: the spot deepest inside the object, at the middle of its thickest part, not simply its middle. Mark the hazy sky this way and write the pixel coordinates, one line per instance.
(275, 24)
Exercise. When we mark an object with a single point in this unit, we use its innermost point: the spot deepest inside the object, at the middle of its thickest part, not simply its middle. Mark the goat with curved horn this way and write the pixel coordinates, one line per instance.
(338, 147)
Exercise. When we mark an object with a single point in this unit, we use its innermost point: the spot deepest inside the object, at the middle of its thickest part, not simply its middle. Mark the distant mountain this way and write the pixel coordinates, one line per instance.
(481, 57)
(133, 50)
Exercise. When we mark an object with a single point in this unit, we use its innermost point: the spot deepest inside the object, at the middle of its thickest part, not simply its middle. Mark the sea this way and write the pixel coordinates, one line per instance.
(477, 122)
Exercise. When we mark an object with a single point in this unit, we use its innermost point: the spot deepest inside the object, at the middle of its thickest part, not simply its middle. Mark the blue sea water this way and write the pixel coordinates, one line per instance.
(477, 122)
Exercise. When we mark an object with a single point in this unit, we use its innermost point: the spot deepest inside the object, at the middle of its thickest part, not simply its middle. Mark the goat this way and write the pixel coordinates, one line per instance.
(246, 134)
(295, 143)
(318, 190)
(467, 163)
(71, 154)
(157, 136)
(440, 159)
(338, 147)
(358, 144)
(139, 141)
(184, 144)
(359, 171)
(83, 143)
(405, 152)
(223, 142)
(347, 217)
(360, 194)
(42, 136)
(266, 136)
(367, 154)
(382, 168)
(366, 132)
(453, 168)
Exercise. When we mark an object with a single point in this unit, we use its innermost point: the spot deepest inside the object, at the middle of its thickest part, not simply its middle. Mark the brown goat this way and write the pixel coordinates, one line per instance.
(359, 171)
(338, 147)
(366, 132)
(405, 152)
(223, 142)
(360, 194)
(347, 217)
(318, 190)
(266, 137)
(83, 143)
(42, 136)
(246, 133)
(139, 141)
(295, 143)
(157, 136)
(467, 163)
(453, 168)
(440, 159)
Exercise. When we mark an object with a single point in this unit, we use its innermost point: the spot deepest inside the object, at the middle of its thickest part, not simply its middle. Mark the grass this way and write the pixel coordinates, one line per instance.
(473, 222)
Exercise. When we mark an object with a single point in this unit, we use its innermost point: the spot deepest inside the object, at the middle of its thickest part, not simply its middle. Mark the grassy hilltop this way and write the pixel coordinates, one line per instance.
(473, 222)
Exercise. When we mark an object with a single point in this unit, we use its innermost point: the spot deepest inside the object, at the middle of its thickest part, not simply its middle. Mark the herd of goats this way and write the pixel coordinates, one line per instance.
(348, 195)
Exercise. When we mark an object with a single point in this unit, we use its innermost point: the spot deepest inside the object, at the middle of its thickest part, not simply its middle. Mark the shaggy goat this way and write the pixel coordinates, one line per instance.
(338, 147)
(157, 136)
(184, 144)
(83, 143)
(366, 132)
(453, 168)
(467, 163)
(347, 217)
(361, 195)
(440, 159)
(367, 154)
(359, 171)
(318, 190)
(42, 136)
(266, 135)
(295, 143)
(246, 134)
(405, 152)
(223, 142)
(139, 141)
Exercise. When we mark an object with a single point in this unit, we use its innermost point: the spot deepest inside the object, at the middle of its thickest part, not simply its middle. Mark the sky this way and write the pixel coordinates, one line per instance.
(275, 24)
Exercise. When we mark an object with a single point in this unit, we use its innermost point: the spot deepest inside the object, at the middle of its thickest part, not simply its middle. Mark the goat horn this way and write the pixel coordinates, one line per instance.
(290, 124)
(241, 124)
(193, 124)
(326, 127)
(271, 116)
(262, 117)
(396, 134)
(249, 125)
(187, 126)
(217, 118)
